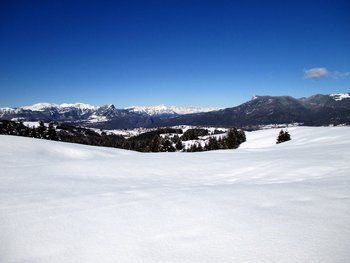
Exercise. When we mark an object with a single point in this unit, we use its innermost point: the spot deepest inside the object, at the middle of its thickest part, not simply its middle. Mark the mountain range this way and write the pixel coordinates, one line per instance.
(316, 110)
(106, 116)
(260, 110)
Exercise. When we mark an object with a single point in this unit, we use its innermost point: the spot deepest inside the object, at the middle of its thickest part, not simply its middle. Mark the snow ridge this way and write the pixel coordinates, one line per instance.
(340, 96)
(150, 110)
(163, 109)
(43, 106)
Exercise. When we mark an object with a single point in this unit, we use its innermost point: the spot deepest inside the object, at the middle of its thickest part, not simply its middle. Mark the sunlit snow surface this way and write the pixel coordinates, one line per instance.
(264, 202)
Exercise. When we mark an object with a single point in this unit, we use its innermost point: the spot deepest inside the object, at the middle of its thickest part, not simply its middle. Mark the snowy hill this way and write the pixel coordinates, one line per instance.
(261, 203)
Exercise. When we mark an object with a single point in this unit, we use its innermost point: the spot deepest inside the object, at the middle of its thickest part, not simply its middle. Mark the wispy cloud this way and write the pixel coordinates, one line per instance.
(315, 73)
(340, 75)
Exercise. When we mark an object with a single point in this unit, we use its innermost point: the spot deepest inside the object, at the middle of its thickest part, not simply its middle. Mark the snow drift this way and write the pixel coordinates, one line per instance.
(261, 203)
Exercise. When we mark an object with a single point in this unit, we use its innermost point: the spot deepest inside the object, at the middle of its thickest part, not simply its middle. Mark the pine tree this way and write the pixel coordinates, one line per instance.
(283, 137)
(179, 145)
(155, 145)
(199, 148)
(41, 130)
(51, 132)
(33, 133)
(212, 144)
(231, 139)
(167, 146)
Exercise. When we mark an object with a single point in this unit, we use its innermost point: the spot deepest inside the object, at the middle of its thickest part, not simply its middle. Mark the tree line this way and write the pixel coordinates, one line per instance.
(160, 140)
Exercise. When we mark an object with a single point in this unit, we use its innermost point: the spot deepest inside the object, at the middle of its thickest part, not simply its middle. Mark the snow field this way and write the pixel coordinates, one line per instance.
(263, 202)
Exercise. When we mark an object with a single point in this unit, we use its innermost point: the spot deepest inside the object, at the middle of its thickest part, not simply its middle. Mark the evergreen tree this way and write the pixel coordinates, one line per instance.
(192, 134)
(221, 143)
(283, 137)
(195, 147)
(41, 130)
(33, 133)
(51, 132)
(155, 145)
(167, 146)
(242, 136)
(231, 139)
(179, 145)
(175, 138)
(192, 148)
(22, 130)
(10, 128)
(212, 144)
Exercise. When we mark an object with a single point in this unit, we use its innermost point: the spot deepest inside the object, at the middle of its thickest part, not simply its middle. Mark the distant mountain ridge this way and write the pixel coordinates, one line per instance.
(150, 110)
(44, 106)
(172, 110)
(107, 116)
(260, 110)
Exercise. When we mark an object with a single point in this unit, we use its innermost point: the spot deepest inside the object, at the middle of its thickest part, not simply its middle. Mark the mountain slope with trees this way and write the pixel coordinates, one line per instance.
(262, 110)
(158, 140)
(316, 110)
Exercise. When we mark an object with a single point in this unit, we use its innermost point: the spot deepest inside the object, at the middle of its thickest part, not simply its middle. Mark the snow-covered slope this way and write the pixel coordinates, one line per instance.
(162, 109)
(261, 203)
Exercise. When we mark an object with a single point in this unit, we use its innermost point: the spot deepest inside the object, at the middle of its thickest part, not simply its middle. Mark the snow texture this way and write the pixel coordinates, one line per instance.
(261, 203)
(340, 96)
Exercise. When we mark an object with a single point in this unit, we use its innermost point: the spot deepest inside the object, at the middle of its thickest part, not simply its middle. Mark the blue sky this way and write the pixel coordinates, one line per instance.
(200, 53)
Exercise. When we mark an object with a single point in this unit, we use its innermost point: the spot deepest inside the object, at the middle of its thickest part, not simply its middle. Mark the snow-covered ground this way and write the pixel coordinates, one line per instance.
(263, 202)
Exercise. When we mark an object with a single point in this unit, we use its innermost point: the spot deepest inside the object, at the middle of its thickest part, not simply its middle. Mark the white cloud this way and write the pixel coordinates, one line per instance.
(340, 75)
(315, 73)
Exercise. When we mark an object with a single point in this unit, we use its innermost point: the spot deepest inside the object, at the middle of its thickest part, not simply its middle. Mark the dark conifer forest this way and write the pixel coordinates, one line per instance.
(158, 140)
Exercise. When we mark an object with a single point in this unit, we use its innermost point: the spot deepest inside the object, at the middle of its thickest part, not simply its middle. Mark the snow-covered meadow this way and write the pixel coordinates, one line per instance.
(263, 202)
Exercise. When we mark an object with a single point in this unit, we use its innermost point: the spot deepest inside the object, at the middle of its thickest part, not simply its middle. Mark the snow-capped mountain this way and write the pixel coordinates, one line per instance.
(340, 96)
(175, 110)
(60, 107)
(106, 116)
(260, 110)
(108, 109)
(42, 107)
